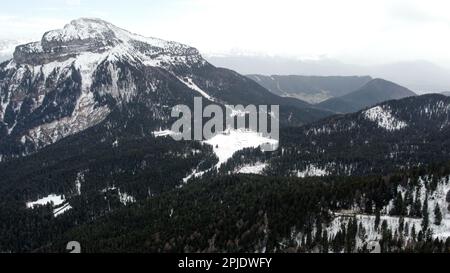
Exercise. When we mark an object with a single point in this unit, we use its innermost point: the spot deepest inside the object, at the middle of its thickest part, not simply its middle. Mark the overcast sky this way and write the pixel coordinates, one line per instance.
(353, 31)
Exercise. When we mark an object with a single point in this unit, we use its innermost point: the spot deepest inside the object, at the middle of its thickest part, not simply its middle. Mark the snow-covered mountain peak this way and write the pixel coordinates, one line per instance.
(82, 29)
(90, 35)
(73, 77)
(93, 30)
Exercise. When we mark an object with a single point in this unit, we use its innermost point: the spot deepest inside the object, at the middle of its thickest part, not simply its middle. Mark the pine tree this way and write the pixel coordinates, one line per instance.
(352, 230)
(413, 232)
(377, 219)
(401, 224)
(437, 215)
(425, 215)
(309, 240)
(318, 237)
(420, 236)
(325, 243)
(409, 199)
(399, 208)
(384, 226)
(447, 245)
(429, 235)
(416, 210)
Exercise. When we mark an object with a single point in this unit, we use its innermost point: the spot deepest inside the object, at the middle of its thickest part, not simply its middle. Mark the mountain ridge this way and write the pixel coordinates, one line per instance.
(314, 89)
(374, 92)
(397, 134)
(419, 76)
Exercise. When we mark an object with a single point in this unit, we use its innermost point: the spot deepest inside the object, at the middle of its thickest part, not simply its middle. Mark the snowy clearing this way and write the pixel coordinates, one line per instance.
(225, 145)
(52, 198)
(58, 202)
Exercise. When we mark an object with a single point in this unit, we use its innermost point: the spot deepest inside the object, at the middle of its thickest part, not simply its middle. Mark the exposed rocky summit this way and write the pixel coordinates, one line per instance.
(97, 36)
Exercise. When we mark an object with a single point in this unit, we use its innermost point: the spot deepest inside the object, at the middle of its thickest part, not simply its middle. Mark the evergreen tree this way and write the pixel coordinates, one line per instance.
(409, 198)
(447, 245)
(318, 237)
(377, 219)
(406, 229)
(362, 234)
(399, 207)
(425, 215)
(429, 235)
(413, 233)
(416, 210)
(420, 236)
(401, 224)
(437, 215)
(325, 243)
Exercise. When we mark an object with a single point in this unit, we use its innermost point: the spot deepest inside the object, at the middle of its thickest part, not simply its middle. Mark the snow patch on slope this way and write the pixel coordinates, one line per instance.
(85, 115)
(384, 118)
(78, 181)
(190, 83)
(163, 133)
(60, 211)
(312, 171)
(124, 197)
(57, 201)
(54, 199)
(194, 174)
(252, 169)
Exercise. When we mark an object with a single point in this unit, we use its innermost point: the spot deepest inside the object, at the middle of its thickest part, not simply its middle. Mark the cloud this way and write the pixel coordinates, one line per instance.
(421, 12)
(356, 31)
(15, 27)
(73, 2)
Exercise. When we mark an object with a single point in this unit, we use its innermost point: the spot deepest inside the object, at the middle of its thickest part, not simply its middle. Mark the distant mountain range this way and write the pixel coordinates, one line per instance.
(336, 94)
(313, 89)
(372, 93)
(419, 76)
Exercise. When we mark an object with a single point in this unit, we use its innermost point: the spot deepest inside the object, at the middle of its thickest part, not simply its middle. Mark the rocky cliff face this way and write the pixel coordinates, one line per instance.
(74, 77)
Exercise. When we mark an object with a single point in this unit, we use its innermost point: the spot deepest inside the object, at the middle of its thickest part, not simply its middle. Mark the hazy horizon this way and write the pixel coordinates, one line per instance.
(352, 31)
(419, 76)
(349, 37)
